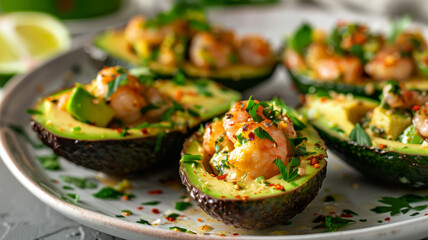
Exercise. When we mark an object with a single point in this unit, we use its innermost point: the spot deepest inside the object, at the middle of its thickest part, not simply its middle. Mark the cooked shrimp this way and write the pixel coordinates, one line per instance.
(389, 64)
(402, 97)
(315, 52)
(208, 50)
(408, 41)
(420, 121)
(255, 157)
(287, 126)
(348, 68)
(212, 132)
(293, 60)
(127, 104)
(237, 116)
(255, 50)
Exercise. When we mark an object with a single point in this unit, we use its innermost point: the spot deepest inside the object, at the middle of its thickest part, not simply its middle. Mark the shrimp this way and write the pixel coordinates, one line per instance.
(237, 116)
(408, 41)
(127, 103)
(212, 133)
(389, 64)
(397, 96)
(255, 50)
(315, 52)
(420, 121)
(255, 157)
(293, 60)
(349, 69)
(209, 50)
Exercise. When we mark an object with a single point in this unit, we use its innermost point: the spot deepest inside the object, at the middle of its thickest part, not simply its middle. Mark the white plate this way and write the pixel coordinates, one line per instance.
(350, 189)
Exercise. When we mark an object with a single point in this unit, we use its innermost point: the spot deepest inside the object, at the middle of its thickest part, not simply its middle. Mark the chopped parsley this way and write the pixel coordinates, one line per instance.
(261, 133)
(401, 204)
(332, 224)
(202, 88)
(301, 38)
(115, 83)
(78, 182)
(199, 25)
(360, 136)
(65, 187)
(152, 203)
(158, 142)
(49, 162)
(111, 193)
(260, 179)
(179, 78)
(290, 171)
(180, 206)
(191, 159)
(149, 107)
(35, 112)
(291, 113)
(179, 229)
(142, 221)
(241, 140)
(126, 211)
(74, 197)
(172, 217)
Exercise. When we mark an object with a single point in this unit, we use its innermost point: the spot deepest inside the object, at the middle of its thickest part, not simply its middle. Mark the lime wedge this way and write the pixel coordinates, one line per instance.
(27, 39)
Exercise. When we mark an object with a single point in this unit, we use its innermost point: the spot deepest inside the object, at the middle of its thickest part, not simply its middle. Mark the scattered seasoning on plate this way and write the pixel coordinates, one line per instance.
(151, 203)
(155, 192)
(142, 221)
(140, 208)
(126, 213)
(180, 206)
(155, 211)
(172, 217)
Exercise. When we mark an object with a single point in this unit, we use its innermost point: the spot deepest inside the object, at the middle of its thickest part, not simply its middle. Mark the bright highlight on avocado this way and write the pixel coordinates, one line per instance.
(182, 39)
(387, 142)
(121, 123)
(352, 58)
(256, 167)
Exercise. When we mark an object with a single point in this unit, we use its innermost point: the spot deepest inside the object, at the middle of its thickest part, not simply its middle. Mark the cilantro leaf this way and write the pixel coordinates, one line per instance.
(115, 83)
(180, 229)
(152, 203)
(110, 193)
(400, 205)
(32, 111)
(360, 136)
(301, 38)
(292, 172)
(334, 223)
(180, 206)
(158, 142)
(49, 162)
(142, 221)
(191, 159)
(261, 133)
(397, 27)
(78, 182)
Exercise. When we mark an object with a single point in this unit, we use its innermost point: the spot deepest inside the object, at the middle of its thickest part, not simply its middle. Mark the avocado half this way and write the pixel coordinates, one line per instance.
(237, 76)
(256, 204)
(369, 88)
(124, 151)
(386, 161)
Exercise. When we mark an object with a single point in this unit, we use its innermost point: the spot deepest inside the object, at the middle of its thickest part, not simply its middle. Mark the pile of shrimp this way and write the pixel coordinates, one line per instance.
(255, 156)
(129, 98)
(383, 60)
(213, 47)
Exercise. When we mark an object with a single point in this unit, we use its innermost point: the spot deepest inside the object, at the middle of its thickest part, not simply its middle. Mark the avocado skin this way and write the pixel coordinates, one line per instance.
(384, 166)
(304, 83)
(114, 157)
(257, 213)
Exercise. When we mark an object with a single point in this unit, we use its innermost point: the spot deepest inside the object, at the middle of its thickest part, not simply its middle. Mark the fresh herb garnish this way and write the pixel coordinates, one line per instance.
(332, 224)
(152, 203)
(180, 206)
(126, 211)
(241, 140)
(301, 39)
(115, 83)
(35, 112)
(291, 113)
(400, 204)
(49, 162)
(261, 133)
(149, 107)
(397, 27)
(124, 132)
(290, 171)
(179, 78)
(158, 142)
(78, 182)
(65, 187)
(166, 116)
(202, 88)
(260, 179)
(111, 193)
(142, 221)
(191, 159)
(180, 229)
(74, 197)
(172, 217)
(199, 25)
(349, 212)
(360, 136)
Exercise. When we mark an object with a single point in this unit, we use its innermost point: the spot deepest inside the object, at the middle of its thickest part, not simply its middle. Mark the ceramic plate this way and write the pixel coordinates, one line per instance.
(344, 193)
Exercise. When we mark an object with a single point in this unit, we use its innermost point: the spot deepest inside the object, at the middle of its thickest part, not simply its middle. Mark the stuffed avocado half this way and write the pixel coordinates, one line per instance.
(119, 123)
(181, 39)
(384, 140)
(258, 166)
(354, 59)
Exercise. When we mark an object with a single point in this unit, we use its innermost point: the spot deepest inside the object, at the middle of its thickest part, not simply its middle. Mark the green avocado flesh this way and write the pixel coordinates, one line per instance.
(307, 85)
(388, 161)
(63, 124)
(237, 76)
(256, 204)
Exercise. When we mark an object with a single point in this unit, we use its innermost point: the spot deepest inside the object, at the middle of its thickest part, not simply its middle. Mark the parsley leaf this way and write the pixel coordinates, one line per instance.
(142, 221)
(334, 223)
(180, 206)
(115, 83)
(261, 133)
(291, 113)
(301, 38)
(49, 162)
(179, 78)
(400, 205)
(149, 107)
(199, 25)
(397, 27)
(110, 193)
(78, 182)
(175, 228)
(152, 203)
(192, 159)
(292, 172)
(241, 140)
(360, 136)
(32, 111)
(158, 142)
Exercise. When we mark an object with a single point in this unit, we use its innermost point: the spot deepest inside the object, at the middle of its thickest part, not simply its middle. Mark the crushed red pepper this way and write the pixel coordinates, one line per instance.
(155, 211)
(155, 192)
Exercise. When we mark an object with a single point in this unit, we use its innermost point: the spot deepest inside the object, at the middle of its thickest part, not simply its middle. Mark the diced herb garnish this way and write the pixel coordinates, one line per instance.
(109, 193)
(78, 182)
(20, 131)
(332, 224)
(241, 140)
(115, 83)
(74, 197)
(152, 203)
(76, 129)
(397, 27)
(34, 112)
(180, 229)
(179, 78)
(119, 216)
(142, 221)
(291, 113)
(301, 39)
(290, 171)
(349, 212)
(360, 136)
(180, 206)
(202, 87)
(192, 159)
(124, 132)
(49, 162)
(261, 133)
(158, 143)
(199, 25)
(65, 187)
(127, 211)
(173, 216)
(400, 205)
(260, 179)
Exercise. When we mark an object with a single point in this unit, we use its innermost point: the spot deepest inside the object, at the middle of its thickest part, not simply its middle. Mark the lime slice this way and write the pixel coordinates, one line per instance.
(27, 39)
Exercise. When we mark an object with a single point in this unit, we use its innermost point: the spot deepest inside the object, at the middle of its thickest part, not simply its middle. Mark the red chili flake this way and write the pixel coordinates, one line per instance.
(155, 211)
(222, 235)
(144, 131)
(416, 108)
(323, 99)
(140, 208)
(345, 215)
(222, 177)
(426, 60)
(223, 196)
(388, 219)
(316, 165)
(382, 146)
(126, 214)
(332, 213)
(199, 220)
(270, 185)
(119, 130)
(194, 171)
(55, 181)
(234, 136)
(238, 196)
(251, 136)
(426, 214)
(245, 198)
(171, 219)
(279, 187)
(125, 197)
(155, 192)
(235, 234)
